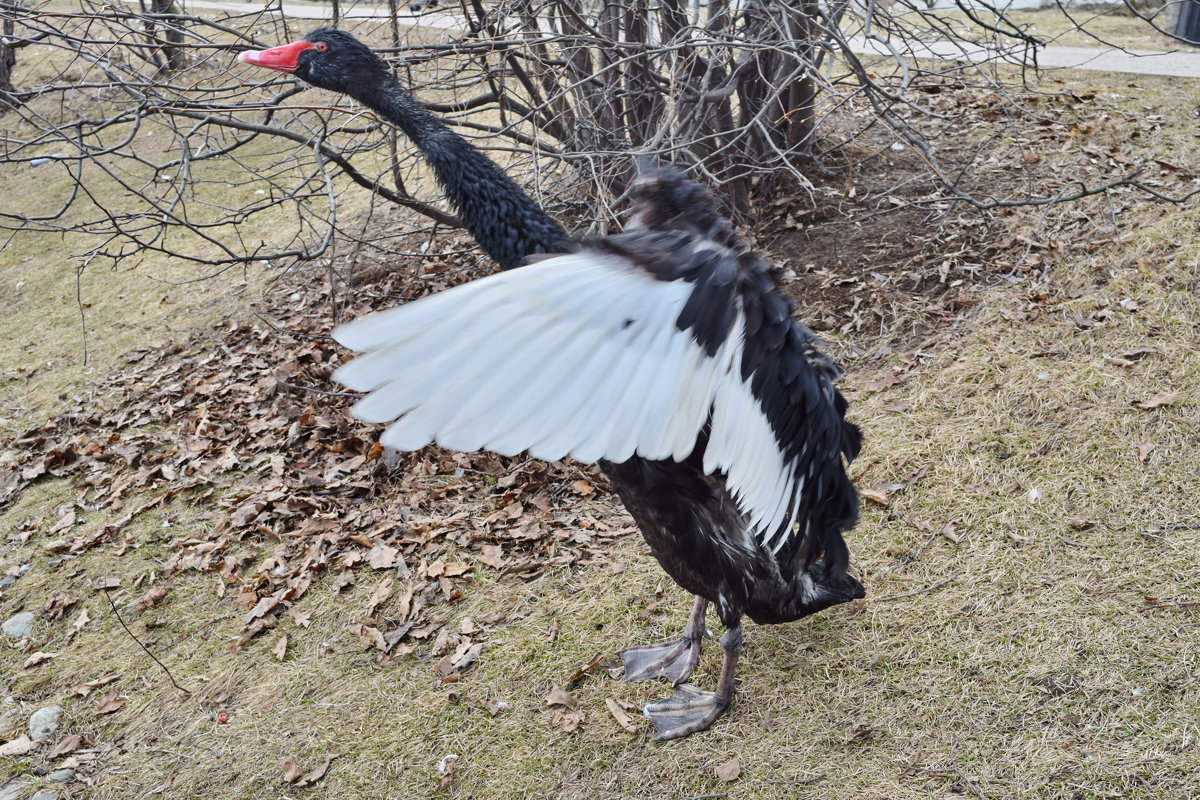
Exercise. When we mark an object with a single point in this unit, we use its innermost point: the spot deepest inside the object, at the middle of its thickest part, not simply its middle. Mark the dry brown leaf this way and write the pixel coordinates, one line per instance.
(494, 707)
(492, 555)
(345, 578)
(110, 703)
(57, 604)
(567, 721)
(1144, 450)
(18, 746)
(291, 771)
(456, 568)
(730, 770)
(623, 719)
(38, 657)
(445, 670)
(1159, 400)
(280, 648)
(465, 655)
(861, 731)
(876, 495)
(262, 608)
(382, 593)
(446, 641)
(370, 636)
(393, 638)
(80, 621)
(106, 582)
(577, 675)
(246, 598)
(247, 513)
(296, 588)
(254, 629)
(383, 556)
(299, 617)
(583, 488)
(82, 763)
(884, 382)
(404, 604)
(84, 689)
(69, 744)
(64, 522)
(559, 697)
(310, 778)
(155, 595)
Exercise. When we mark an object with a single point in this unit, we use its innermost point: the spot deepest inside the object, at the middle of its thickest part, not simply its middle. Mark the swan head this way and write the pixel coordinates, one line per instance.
(325, 58)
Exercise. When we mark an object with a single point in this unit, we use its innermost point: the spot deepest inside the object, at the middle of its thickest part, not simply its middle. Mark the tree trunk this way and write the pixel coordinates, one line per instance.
(8, 60)
(171, 34)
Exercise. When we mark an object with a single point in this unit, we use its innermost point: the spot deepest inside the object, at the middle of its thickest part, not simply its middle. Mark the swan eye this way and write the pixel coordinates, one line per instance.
(321, 47)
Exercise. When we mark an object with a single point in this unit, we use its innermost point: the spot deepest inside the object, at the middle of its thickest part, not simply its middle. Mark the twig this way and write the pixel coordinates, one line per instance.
(901, 596)
(1180, 604)
(117, 613)
(324, 392)
(917, 553)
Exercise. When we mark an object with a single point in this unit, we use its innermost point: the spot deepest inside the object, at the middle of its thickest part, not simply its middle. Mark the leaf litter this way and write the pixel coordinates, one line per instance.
(299, 493)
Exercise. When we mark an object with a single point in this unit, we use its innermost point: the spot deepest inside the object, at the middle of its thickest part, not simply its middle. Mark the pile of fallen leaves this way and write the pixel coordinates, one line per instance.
(245, 421)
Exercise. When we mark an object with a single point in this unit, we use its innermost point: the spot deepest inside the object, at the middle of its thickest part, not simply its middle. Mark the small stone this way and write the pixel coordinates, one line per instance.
(19, 626)
(64, 775)
(14, 788)
(45, 794)
(45, 723)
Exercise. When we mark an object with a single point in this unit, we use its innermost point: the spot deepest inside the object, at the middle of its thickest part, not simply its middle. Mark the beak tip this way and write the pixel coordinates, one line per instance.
(247, 56)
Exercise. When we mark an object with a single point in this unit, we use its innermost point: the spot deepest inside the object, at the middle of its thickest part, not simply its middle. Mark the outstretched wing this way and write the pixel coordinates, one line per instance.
(589, 354)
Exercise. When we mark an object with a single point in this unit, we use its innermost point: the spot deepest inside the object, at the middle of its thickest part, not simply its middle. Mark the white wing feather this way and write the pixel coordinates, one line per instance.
(580, 355)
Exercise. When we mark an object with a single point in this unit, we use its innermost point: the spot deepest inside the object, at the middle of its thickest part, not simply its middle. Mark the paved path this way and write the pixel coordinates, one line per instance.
(429, 19)
(1181, 64)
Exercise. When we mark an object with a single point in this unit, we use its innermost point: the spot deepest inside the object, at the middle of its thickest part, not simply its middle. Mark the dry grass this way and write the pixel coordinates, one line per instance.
(1098, 27)
(1030, 671)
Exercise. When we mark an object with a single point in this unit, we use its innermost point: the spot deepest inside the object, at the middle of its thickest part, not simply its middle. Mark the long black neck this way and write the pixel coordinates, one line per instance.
(505, 221)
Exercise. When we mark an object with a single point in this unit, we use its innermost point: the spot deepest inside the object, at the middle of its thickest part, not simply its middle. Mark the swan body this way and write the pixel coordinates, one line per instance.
(665, 353)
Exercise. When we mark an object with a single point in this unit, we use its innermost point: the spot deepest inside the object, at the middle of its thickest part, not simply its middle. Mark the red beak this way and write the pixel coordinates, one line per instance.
(282, 58)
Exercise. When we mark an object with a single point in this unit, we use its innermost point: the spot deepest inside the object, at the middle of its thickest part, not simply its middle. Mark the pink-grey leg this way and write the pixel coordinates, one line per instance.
(673, 660)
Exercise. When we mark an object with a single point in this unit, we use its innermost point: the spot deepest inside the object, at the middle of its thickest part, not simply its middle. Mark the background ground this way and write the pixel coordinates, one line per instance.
(1031, 546)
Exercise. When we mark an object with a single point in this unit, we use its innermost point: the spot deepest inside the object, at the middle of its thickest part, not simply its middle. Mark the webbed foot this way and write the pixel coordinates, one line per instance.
(688, 710)
(672, 660)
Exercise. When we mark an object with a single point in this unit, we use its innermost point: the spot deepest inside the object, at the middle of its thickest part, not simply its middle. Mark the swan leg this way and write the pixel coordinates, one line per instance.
(691, 709)
(673, 660)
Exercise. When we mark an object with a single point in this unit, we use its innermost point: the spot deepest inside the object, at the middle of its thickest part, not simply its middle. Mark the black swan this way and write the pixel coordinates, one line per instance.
(664, 353)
